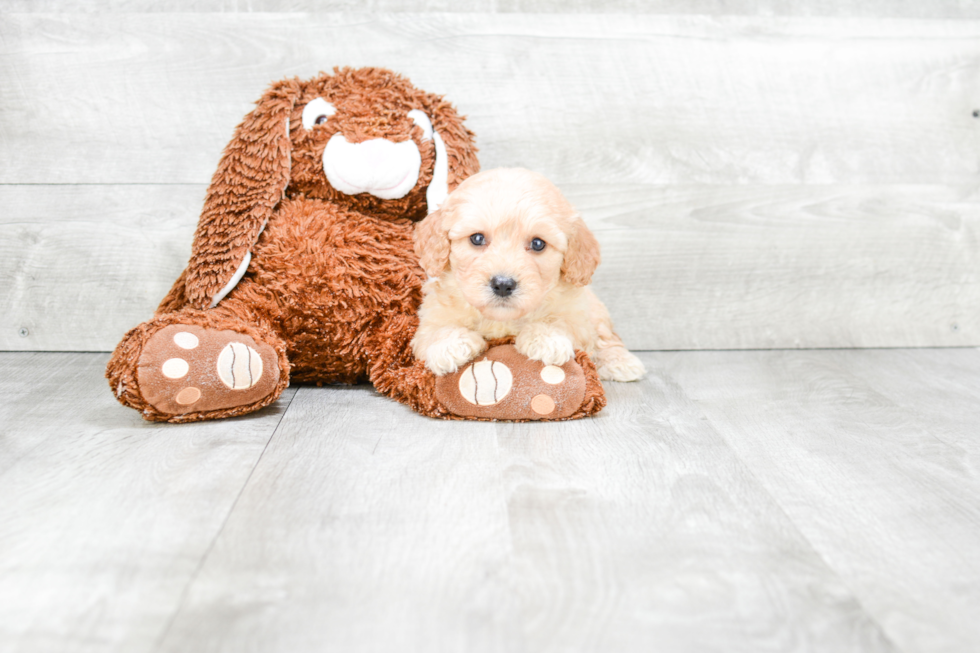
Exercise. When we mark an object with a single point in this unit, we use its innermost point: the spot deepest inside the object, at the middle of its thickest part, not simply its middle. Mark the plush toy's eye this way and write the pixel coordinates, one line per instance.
(478, 239)
(317, 112)
(537, 244)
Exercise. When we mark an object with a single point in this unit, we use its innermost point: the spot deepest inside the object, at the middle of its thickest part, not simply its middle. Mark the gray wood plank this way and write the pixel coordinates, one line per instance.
(150, 98)
(818, 501)
(884, 490)
(788, 267)
(692, 267)
(641, 530)
(105, 518)
(81, 265)
(365, 528)
(941, 385)
(873, 8)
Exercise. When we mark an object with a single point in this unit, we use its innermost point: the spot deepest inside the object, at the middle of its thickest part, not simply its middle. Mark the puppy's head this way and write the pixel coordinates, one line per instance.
(509, 237)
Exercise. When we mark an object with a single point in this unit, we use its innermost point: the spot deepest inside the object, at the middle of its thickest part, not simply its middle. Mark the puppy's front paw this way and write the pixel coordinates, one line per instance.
(618, 364)
(545, 344)
(459, 346)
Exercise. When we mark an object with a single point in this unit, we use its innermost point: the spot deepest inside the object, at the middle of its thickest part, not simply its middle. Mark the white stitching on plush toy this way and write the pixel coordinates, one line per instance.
(438, 189)
(235, 278)
(316, 109)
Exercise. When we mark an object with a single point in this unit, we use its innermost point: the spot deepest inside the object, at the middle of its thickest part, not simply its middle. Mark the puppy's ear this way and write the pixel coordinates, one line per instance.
(582, 256)
(251, 179)
(432, 244)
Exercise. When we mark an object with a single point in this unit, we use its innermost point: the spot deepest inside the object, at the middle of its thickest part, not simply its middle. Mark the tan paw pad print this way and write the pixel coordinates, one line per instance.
(187, 368)
(485, 383)
(503, 384)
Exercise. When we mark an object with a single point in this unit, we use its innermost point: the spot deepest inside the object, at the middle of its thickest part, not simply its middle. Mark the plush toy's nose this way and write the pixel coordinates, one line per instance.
(380, 167)
(502, 286)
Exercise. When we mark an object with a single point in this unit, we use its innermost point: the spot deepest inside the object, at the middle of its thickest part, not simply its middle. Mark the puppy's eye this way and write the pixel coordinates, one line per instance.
(320, 120)
(478, 240)
(537, 244)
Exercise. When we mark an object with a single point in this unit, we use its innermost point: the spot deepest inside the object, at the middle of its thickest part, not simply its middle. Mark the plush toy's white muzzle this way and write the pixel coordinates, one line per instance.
(378, 166)
(383, 168)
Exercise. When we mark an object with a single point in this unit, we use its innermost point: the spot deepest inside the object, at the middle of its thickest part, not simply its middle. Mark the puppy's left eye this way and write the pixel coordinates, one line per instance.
(478, 239)
(537, 244)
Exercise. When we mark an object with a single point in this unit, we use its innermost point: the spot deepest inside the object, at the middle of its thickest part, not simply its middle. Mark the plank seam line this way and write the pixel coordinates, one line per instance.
(634, 350)
(224, 522)
(795, 349)
(792, 522)
(104, 183)
(12, 462)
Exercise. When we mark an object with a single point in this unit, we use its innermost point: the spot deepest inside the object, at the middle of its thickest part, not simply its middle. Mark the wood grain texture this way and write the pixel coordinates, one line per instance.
(152, 98)
(941, 385)
(641, 530)
(881, 482)
(105, 518)
(384, 530)
(788, 267)
(683, 267)
(81, 265)
(736, 501)
(366, 528)
(873, 8)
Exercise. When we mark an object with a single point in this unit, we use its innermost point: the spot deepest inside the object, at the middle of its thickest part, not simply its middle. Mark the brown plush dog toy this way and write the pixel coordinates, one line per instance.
(303, 267)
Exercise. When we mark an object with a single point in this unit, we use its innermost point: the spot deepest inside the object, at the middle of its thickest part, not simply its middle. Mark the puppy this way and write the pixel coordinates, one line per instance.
(507, 255)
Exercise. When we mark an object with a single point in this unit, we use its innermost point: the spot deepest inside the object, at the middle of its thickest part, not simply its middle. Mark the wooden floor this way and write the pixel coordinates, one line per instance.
(732, 501)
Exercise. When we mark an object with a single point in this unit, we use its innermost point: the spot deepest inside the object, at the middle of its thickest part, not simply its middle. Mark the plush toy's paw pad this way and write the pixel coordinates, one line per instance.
(504, 384)
(189, 369)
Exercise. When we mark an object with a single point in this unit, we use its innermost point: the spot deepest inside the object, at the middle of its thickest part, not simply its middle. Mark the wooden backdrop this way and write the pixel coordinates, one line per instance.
(760, 174)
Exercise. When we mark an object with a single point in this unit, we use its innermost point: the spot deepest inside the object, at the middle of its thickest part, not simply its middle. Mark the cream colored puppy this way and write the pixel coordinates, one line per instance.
(507, 255)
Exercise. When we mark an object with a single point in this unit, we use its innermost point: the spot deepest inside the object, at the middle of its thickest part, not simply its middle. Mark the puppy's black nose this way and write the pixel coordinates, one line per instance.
(502, 286)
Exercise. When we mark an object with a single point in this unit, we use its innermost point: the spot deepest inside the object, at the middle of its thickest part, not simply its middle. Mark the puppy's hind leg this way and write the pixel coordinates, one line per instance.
(614, 360)
(616, 363)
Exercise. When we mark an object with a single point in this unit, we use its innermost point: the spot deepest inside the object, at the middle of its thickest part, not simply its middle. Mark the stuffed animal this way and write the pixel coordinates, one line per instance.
(303, 269)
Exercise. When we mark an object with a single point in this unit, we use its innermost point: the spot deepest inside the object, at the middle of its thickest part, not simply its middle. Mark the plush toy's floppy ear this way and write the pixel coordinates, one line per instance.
(582, 256)
(432, 244)
(457, 149)
(250, 181)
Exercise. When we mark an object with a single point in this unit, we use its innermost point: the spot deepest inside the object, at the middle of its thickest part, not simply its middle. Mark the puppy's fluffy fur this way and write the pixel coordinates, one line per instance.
(550, 308)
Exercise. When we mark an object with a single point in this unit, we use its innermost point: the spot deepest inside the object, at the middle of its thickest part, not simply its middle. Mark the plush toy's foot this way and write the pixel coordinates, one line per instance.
(189, 369)
(506, 385)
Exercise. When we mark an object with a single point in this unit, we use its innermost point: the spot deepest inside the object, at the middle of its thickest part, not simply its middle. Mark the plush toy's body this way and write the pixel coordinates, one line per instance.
(303, 265)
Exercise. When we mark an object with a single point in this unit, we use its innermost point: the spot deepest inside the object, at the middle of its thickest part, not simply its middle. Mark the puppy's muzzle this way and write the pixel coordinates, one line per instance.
(503, 286)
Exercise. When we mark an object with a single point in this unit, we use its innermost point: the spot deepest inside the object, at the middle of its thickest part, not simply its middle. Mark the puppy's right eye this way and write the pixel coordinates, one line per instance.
(478, 240)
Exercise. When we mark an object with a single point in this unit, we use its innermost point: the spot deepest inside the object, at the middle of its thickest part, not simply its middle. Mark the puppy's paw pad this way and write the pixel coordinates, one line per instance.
(620, 366)
(506, 385)
(186, 368)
